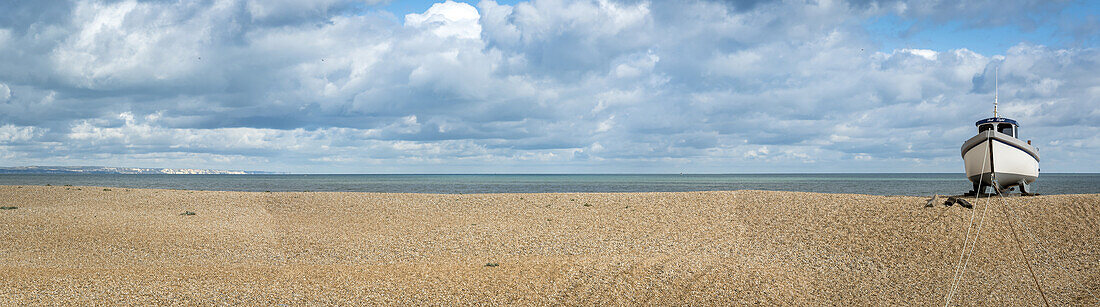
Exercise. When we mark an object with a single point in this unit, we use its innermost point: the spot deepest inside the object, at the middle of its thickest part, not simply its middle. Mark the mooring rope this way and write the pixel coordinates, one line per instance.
(962, 274)
(962, 254)
(956, 280)
(1059, 263)
(1019, 246)
(1035, 241)
(965, 255)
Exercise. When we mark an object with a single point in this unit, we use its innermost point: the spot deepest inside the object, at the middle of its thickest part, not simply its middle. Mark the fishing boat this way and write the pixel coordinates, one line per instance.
(997, 158)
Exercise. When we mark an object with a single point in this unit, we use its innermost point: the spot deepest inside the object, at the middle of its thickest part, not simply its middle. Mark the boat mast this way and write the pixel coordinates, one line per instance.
(996, 88)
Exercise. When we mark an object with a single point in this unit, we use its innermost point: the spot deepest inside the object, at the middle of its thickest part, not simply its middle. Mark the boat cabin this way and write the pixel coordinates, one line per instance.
(999, 124)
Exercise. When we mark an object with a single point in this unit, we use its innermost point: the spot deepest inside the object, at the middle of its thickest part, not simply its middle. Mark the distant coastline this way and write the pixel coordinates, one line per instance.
(868, 184)
(120, 170)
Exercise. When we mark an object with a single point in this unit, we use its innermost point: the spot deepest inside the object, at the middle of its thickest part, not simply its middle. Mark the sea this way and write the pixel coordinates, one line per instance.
(874, 184)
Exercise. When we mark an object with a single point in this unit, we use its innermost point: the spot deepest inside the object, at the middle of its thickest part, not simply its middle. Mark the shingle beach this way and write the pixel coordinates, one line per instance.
(97, 245)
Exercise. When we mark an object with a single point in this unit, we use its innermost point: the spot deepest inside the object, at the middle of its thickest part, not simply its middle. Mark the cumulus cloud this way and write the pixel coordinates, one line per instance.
(448, 19)
(539, 86)
(14, 134)
(124, 43)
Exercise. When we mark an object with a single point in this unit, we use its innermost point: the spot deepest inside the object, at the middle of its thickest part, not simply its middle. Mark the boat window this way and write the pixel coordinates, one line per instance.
(983, 128)
(1006, 129)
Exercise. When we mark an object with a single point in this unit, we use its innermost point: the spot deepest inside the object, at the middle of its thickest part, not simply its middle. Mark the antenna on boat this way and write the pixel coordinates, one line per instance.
(996, 88)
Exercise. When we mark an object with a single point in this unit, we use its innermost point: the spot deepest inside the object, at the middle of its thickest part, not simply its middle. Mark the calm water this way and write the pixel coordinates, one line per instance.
(880, 184)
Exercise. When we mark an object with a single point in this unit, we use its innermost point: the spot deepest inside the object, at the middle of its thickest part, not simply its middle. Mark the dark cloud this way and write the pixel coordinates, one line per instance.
(745, 5)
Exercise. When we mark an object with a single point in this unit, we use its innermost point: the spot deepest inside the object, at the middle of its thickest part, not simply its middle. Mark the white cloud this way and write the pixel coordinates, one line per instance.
(924, 53)
(15, 134)
(130, 43)
(544, 85)
(757, 153)
(448, 19)
(5, 92)
(606, 125)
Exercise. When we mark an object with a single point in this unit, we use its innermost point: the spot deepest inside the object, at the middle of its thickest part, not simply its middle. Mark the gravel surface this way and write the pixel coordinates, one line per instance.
(88, 245)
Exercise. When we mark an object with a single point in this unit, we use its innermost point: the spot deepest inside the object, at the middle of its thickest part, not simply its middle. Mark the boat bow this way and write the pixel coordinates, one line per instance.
(1002, 138)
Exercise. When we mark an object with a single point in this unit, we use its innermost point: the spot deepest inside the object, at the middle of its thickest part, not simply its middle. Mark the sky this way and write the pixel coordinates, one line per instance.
(543, 86)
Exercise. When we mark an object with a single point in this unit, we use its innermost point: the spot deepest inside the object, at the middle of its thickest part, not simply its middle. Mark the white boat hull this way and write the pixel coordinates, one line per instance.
(992, 158)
